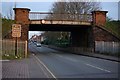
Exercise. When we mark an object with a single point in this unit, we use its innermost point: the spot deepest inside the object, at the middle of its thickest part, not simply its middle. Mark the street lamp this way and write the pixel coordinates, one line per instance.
(43, 21)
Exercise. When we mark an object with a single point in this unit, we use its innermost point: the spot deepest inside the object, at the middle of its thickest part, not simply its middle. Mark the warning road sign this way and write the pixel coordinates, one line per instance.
(16, 30)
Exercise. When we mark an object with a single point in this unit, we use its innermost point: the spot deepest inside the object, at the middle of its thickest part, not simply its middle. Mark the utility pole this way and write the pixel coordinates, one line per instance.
(15, 5)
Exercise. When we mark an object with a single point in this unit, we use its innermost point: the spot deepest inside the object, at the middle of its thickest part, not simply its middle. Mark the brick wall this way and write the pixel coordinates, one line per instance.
(103, 35)
(99, 17)
(22, 17)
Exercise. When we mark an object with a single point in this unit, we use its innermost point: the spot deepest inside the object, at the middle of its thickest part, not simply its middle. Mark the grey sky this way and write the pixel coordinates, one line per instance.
(111, 7)
(119, 10)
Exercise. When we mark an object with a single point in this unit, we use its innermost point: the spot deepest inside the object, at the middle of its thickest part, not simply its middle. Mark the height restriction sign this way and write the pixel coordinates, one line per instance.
(16, 30)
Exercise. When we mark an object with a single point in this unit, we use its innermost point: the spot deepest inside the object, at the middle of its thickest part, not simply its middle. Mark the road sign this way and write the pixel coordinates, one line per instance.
(16, 30)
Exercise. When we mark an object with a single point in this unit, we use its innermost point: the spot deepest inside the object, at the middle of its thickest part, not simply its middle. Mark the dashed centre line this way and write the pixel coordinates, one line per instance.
(84, 63)
(98, 68)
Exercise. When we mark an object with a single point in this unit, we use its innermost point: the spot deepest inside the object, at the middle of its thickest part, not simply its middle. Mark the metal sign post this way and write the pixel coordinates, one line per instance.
(16, 32)
(16, 46)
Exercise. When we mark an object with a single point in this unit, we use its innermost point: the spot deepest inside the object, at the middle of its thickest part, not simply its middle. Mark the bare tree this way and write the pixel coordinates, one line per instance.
(0, 15)
(10, 11)
(71, 10)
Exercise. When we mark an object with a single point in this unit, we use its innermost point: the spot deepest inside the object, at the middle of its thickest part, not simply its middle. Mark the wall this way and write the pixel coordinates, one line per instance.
(101, 34)
(107, 47)
(8, 47)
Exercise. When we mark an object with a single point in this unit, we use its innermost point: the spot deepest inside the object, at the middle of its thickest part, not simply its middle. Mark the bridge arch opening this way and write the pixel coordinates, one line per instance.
(80, 35)
(81, 28)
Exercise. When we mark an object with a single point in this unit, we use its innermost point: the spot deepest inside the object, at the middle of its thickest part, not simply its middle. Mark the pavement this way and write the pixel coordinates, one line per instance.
(24, 68)
(15, 69)
(101, 56)
(45, 63)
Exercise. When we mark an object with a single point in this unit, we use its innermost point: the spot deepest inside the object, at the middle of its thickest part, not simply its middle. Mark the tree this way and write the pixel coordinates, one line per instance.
(75, 7)
(71, 10)
(109, 19)
(0, 16)
(10, 13)
(51, 37)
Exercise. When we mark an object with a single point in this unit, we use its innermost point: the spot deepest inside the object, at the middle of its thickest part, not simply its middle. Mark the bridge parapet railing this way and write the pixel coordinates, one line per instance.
(60, 16)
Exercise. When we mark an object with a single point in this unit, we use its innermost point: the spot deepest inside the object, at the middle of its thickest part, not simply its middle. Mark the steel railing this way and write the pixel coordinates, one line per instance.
(58, 16)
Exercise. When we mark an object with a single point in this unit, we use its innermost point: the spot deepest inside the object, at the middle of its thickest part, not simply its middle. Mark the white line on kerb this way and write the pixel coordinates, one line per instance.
(42, 68)
(45, 67)
(98, 68)
(4, 60)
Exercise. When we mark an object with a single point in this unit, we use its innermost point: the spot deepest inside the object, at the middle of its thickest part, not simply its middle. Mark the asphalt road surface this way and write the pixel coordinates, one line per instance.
(66, 65)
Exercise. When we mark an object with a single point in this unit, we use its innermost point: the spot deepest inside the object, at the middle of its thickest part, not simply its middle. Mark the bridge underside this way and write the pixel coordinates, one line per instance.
(81, 35)
(57, 27)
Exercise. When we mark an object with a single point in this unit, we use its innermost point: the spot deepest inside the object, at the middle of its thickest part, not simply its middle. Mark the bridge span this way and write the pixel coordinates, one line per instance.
(63, 18)
(80, 25)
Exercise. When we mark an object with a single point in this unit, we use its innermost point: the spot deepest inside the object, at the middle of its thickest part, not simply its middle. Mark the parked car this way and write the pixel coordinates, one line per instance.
(38, 44)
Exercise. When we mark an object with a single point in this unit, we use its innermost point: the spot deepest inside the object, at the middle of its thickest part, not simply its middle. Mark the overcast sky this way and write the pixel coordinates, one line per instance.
(111, 7)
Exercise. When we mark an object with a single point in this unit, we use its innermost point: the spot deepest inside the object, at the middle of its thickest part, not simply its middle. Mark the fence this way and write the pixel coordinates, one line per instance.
(107, 47)
(8, 47)
(60, 16)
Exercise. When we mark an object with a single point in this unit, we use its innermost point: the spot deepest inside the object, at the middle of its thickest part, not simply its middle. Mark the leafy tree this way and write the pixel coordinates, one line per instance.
(6, 26)
(109, 19)
(114, 27)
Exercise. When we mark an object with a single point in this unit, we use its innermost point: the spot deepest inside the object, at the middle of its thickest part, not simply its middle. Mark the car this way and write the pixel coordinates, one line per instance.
(38, 44)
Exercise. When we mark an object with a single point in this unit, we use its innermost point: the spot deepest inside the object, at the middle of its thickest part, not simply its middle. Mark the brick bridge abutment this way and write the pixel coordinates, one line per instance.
(80, 38)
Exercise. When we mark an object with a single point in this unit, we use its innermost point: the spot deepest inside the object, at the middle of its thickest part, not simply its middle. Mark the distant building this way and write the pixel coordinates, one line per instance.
(37, 38)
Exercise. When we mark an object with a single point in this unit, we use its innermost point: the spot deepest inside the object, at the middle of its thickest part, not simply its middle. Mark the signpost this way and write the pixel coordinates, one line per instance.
(16, 32)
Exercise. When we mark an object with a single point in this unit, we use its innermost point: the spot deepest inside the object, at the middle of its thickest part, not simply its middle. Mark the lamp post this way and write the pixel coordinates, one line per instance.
(43, 21)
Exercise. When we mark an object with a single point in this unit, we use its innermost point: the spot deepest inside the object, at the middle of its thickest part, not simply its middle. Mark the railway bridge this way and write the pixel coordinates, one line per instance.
(80, 25)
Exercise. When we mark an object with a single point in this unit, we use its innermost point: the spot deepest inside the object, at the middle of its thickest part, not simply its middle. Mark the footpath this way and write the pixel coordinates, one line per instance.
(24, 69)
(31, 69)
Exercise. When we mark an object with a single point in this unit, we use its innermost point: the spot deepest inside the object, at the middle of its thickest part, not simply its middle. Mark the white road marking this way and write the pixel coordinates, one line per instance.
(65, 57)
(45, 67)
(83, 63)
(71, 59)
(4, 60)
(98, 68)
(42, 69)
